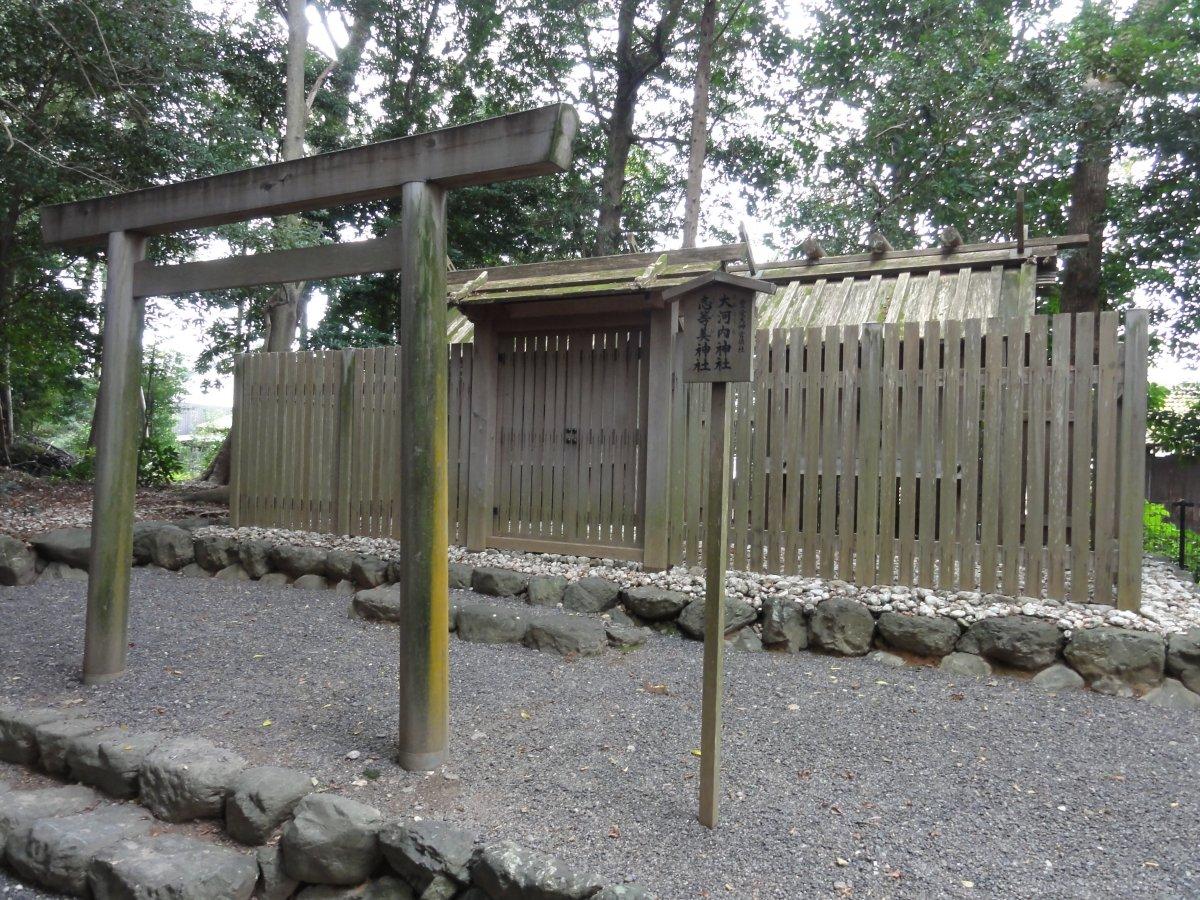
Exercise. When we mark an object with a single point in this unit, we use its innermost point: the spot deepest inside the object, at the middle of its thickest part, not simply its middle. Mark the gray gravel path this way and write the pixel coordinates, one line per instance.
(842, 777)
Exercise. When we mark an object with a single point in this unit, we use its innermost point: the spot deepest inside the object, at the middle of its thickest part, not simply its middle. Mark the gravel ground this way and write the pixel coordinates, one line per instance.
(842, 777)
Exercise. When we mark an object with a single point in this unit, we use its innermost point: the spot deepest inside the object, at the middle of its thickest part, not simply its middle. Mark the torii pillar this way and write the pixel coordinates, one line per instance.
(419, 170)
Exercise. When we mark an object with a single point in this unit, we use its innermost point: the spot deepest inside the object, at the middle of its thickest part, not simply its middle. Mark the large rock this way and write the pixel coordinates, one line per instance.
(162, 544)
(188, 778)
(57, 852)
(922, 635)
(255, 557)
(72, 546)
(498, 582)
(17, 741)
(18, 564)
(311, 583)
(369, 571)
(1018, 641)
(590, 595)
(331, 840)
(382, 603)
(233, 572)
(110, 759)
(1171, 694)
(386, 887)
(20, 809)
(737, 613)
(339, 565)
(172, 867)
(545, 590)
(567, 635)
(967, 664)
(626, 637)
(262, 798)
(273, 882)
(60, 571)
(507, 871)
(296, 560)
(654, 604)
(1058, 679)
(420, 851)
(842, 626)
(1110, 657)
(784, 626)
(214, 552)
(484, 623)
(52, 739)
(460, 576)
(1183, 658)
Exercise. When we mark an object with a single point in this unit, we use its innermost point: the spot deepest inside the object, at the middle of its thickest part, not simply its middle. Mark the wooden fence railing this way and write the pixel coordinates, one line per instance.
(998, 455)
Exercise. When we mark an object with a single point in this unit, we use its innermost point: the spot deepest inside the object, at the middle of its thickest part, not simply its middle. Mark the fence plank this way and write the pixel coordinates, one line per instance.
(849, 452)
(1035, 442)
(930, 430)
(907, 531)
(951, 420)
(1012, 488)
(969, 453)
(813, 349)
(990, 434)
(1081, 458)
(1105, 453)
(870, 386)
(889, 427)
(1131, 498)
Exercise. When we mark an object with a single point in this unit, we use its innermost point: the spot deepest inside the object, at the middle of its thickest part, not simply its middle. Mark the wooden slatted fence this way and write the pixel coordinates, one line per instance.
(999, 455)
(317, 440)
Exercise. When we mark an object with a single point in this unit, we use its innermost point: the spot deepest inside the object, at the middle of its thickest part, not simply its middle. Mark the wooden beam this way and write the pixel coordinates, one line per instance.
(117, 430)
(636, 262)
(277, 267)
(424, 678)
(520, 145)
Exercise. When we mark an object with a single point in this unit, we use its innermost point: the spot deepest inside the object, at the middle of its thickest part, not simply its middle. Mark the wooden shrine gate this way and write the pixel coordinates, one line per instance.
(570, 442)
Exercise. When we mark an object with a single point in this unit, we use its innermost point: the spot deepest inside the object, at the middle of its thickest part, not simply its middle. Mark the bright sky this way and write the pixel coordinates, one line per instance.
(174, 331)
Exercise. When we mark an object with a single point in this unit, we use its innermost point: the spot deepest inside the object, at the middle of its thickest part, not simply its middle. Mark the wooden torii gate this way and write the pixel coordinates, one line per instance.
(418, 169)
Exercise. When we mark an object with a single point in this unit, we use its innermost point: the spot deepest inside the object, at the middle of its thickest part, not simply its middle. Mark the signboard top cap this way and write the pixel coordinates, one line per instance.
(718, 276)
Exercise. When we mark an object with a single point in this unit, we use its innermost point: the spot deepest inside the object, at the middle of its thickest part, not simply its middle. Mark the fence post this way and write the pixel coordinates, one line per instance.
(482, 468)
(656, 523)
(1133, 461)
(345, 435)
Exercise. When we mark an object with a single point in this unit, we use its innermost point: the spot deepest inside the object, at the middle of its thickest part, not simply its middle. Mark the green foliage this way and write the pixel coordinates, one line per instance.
(159, 461)
(1170, 430)
(1162, 536)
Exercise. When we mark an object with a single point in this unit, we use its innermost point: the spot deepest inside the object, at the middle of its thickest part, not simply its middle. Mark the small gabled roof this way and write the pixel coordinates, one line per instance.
(628, 274)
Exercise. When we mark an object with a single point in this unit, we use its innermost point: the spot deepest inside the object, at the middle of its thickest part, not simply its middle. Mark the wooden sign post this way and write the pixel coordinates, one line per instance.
(716, 314)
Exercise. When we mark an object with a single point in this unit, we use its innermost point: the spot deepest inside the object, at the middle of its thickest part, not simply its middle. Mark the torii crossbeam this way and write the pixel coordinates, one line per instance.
(418, 169)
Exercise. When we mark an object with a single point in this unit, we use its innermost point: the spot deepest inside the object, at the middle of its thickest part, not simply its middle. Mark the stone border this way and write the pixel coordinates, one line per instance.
(828, 617)
(74, 839)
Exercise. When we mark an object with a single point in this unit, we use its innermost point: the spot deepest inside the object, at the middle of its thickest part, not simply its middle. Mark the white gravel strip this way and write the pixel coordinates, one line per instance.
(1169, 604)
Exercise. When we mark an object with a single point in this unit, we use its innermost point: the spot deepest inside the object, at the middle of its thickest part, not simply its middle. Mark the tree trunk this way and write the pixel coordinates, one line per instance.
(698, 149)
(634, 66)
(612, 180)
(1087, 213)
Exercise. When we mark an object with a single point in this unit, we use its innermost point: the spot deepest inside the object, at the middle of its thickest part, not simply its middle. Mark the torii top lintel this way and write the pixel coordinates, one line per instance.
(519, 145)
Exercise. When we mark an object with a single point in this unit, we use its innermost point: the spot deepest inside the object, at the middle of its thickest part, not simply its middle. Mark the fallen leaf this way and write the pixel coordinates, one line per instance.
(697, 752)
(266, 723)
(655, 688)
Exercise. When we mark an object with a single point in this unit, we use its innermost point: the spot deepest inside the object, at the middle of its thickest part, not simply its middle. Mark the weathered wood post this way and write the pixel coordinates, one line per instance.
(717, 314)
(117, 430)
(424, 580)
